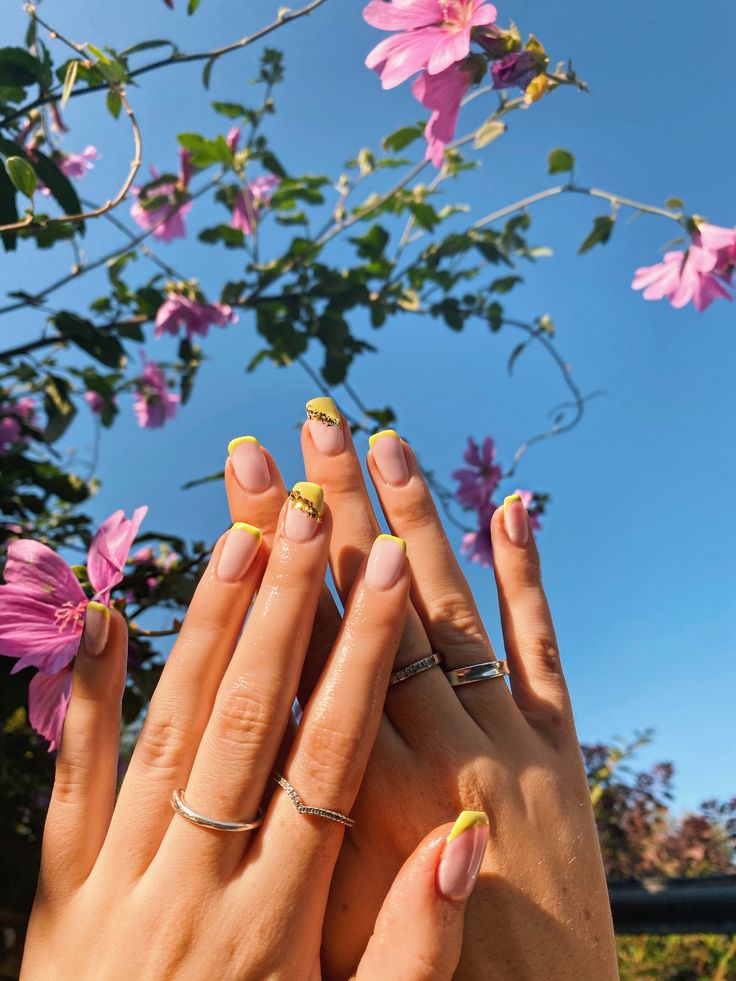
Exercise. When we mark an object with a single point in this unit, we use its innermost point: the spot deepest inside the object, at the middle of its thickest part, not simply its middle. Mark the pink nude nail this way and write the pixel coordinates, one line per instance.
(96, 629)
(385, 562)
(516, 520)
(238, 551)
(463, 856)
(389, 457)
(249, 464)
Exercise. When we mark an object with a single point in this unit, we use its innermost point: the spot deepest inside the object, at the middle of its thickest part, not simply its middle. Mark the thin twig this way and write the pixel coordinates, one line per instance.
(284, 16)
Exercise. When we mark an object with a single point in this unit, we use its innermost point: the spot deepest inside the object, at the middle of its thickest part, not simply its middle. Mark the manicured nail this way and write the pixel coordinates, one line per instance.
(516, 519)
(238, 551)
(325, 426)
(389, 456)
(463, 855)
(96, 629)
(306, 505)
(385, 562)
(249, 464)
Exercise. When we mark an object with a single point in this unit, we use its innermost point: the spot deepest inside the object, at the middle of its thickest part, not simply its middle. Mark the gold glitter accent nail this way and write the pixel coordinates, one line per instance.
(324, 410)
(309, 498)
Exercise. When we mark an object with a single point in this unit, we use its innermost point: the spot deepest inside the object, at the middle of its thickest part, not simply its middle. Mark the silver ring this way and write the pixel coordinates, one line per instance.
(303, 808)
(194, 817)
(477, 672)
(431, 661)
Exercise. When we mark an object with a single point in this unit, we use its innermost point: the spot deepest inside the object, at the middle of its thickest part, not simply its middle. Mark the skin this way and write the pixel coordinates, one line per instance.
(129, 889)
(540, 910)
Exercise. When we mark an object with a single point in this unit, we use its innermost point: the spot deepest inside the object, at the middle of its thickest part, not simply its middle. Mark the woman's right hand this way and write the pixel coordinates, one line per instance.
(130, 889)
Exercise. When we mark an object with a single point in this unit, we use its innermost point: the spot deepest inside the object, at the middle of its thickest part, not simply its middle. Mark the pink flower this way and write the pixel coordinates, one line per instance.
(95, 401)
(42, 609)
(166, 220)
(433, 35)
(478, 484)
(700, 274)
(250, 202)
(154, 402)
(9, 434)
(442, 94)
(179, 311)
(233, 138)
(76, 165)
(477, 544)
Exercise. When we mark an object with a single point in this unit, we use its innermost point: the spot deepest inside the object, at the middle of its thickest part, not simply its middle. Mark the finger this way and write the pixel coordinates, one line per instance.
(419, 931)
(537, 680)
(331, 749)
(440, 592)
(261, 506)
(330, 458)
(253, 705)
(182, 703)
(86, 767)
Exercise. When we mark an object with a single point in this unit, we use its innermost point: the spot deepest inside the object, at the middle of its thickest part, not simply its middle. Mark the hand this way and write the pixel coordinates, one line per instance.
(541, 909)
(133, 890)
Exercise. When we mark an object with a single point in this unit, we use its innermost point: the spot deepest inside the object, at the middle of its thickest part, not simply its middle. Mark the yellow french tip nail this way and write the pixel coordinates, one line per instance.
(394, 538)
(466, 821)
(238, 440)
(510, 500)
(325, 410)
(309, 498)
(251, 529)
(384, 432)
(100, 607)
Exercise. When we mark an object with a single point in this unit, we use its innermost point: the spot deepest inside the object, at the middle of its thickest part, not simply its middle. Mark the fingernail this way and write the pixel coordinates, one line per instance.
(463, 855)
(238, 551)
(516, 519)
(249, 464)
(306, 505)
(325, 426)
(385, 562)
(96, 629)
(389, 456)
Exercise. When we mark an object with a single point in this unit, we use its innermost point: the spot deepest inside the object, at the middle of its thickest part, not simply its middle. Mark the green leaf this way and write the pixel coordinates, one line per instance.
(102, 346)
(231, 110)
(505, 284)
(69, 79)
(675, 204)
(401, 138)
(113, 103)
(148, 45)
(561, 161)
(49, 174)
(192, 6)
(22, 175)
(488, 132)
(19, 67)
(207, 72)
(232, 238)
(515, 354)
(602, 231)
(60, 410)
(200, 481)
(205, 152)
(8, 210)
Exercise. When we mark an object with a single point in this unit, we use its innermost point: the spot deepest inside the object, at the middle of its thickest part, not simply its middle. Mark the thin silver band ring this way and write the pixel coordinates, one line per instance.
(303, 808)
(424, 664)
(202, 821)
(477, 672)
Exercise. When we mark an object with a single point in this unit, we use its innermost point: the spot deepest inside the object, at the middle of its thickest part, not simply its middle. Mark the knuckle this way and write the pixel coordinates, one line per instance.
(162, 742)
(543, 650)
(330, 751)
(71, 780)
(244, 715)
(454, 612)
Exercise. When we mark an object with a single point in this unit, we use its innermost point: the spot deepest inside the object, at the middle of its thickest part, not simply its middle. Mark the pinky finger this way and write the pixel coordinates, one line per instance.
(86, 768)
(419, 931)
(529, 636)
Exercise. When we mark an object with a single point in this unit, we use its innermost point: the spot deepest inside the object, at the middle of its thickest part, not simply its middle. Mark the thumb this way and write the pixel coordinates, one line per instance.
(419, 931)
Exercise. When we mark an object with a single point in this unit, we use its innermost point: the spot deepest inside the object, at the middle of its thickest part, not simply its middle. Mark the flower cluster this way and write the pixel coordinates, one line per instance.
(184, 308)
(42, 610)
(434, 38)
(12, 416)
(699, 274)
(163, 204)
(154, 402)
(478, 482)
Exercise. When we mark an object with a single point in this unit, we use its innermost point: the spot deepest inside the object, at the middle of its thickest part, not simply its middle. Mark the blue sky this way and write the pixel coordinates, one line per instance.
(639, 541)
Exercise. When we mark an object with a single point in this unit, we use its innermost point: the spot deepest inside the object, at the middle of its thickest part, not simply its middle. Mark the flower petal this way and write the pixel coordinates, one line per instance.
(48, 701)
